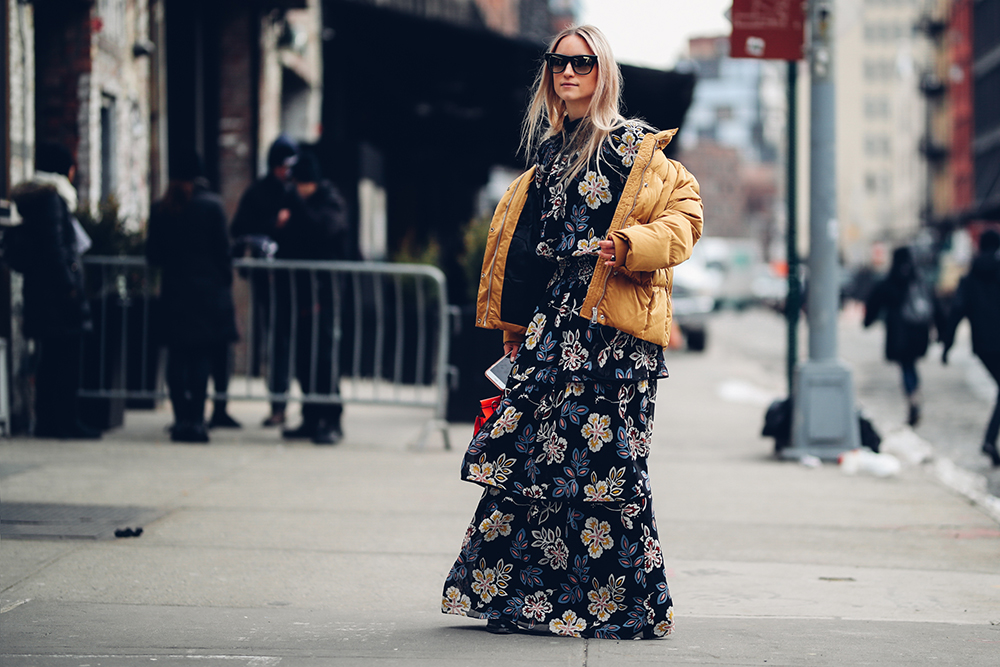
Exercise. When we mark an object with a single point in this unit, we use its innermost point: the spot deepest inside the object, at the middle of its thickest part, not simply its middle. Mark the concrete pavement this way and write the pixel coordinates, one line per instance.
(269, 554)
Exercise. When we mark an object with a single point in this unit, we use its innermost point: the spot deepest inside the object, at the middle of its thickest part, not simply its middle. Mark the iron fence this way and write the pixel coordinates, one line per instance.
(382, 327)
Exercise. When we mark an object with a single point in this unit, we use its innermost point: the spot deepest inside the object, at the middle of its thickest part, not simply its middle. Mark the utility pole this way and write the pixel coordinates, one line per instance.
(793, 301)
(824, 420)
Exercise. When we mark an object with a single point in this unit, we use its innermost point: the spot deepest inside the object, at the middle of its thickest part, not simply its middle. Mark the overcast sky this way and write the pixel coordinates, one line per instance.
(654, 33)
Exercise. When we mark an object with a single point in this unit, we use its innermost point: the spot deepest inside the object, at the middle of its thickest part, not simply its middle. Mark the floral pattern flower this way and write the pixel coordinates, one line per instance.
(506, 423)
(574, 354)
(569, 625)
(601, 605)
(626, 144)
(594, 189)
(497, 524)
(535, 330)
(597, 431)
(455, 602)
(536, 606)
(597, 537)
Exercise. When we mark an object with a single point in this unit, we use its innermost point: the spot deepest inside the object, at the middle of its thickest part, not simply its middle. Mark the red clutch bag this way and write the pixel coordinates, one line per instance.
(486, 408)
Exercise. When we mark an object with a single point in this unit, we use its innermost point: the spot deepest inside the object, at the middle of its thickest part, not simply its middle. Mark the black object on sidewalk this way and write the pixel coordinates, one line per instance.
(778, 425)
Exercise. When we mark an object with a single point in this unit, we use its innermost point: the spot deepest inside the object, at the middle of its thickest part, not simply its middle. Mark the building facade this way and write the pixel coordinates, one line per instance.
(882, 121)
(123, 84)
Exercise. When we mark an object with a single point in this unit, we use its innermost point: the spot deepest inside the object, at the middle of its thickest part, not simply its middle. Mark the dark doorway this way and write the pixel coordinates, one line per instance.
(193, 72)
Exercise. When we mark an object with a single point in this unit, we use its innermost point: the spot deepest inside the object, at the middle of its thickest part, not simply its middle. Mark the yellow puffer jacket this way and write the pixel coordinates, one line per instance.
(655, 226)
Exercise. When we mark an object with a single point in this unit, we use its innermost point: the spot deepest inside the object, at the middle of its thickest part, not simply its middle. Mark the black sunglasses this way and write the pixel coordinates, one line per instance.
(582, 65)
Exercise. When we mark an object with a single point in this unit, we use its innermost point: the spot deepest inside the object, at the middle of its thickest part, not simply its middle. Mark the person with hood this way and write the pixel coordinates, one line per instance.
(978, 298)
(46, 248)
(318, 229)
(188, 240)
(263, 210)
(906, 303)
(577, 274)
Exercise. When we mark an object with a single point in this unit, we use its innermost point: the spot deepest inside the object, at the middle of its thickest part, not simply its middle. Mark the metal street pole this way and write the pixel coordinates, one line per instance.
(824, 420)
(793, 302)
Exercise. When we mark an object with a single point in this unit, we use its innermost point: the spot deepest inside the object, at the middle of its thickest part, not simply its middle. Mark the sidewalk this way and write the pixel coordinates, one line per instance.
(298, 555)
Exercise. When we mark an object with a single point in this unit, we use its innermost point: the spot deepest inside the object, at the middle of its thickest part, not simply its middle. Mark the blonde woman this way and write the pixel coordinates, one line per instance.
(577, 274)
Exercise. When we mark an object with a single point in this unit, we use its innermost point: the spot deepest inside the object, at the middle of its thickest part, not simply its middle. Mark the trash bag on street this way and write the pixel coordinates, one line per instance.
(778, 425)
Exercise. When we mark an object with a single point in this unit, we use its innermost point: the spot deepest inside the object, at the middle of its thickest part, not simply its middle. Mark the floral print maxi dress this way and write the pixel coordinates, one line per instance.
(564, 538)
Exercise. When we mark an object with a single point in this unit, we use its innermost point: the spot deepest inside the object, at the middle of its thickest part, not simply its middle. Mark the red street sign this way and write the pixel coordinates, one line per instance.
(768, 29)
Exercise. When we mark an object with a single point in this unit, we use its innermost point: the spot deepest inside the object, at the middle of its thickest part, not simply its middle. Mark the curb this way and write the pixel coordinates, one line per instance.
(969, 484)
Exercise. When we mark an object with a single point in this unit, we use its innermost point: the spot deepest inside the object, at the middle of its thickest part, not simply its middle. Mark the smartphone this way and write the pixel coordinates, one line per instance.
(498, 372)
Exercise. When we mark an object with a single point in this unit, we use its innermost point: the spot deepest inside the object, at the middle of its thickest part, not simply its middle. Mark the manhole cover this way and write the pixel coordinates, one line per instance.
(48, 521)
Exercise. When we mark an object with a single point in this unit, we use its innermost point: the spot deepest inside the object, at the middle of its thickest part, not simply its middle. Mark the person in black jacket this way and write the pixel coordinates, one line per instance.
(318, 229)
(908, 306)
(978, 298)
(46, 249)
(264, 208)
(188, 239)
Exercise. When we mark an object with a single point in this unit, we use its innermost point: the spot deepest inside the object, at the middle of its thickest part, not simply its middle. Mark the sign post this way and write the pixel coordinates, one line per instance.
(775, 29)
(769, 29)
(824, 417)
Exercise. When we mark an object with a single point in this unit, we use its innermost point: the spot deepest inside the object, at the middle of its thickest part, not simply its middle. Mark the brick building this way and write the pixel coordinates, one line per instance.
(124, 83)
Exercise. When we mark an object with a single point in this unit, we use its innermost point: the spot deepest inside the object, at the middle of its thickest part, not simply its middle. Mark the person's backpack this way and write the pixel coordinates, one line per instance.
(917, 307)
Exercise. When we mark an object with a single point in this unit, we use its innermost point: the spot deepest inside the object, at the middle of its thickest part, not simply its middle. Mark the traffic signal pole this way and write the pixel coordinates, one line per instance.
(824, 419)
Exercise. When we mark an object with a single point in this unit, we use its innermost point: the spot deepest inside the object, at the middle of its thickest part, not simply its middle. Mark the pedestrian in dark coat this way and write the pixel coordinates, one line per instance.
(318, 229)
(906, 304)
(46, 248)
(978, 298)
(263, 210)
(188, 239)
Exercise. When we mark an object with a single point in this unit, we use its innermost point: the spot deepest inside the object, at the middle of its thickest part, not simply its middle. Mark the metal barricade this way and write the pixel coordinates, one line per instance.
(383, 329)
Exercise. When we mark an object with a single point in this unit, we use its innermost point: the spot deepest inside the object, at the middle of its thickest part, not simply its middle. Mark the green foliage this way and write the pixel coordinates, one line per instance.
(108, 233)
(412, 251)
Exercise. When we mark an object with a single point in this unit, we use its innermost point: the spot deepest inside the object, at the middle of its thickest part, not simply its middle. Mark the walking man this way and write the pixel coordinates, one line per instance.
(978, 298)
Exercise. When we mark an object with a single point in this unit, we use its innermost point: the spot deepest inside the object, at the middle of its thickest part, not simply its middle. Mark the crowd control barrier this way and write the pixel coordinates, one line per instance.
(381, 327)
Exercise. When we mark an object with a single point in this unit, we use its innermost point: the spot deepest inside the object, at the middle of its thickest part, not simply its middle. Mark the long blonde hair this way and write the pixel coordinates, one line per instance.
(547, 111)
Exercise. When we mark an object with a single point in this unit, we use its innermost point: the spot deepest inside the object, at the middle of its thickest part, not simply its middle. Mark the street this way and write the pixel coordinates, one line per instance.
(268, 554)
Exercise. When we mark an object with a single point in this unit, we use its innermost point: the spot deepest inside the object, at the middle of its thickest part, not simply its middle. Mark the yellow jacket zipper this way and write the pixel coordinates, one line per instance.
(635, 202)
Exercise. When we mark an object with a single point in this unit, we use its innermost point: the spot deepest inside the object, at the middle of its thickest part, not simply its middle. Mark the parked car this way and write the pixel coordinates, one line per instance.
(691, 313)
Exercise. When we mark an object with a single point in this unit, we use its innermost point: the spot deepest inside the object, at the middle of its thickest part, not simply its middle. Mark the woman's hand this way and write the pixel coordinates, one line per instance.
(607, 252)
(510, 349)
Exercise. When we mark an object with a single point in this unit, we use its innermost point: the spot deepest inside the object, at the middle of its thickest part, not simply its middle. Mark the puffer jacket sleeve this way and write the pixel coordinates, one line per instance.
(675, 221)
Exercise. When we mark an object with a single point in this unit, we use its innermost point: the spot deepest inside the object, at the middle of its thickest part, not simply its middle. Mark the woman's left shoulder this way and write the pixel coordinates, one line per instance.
(635, 128)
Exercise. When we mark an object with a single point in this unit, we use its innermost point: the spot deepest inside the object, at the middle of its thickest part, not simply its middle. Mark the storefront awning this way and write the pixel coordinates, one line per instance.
(441, 104)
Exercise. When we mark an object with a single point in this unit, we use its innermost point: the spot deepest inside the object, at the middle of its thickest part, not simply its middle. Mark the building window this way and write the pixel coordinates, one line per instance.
(884, 31)
(879, 69)
(109, 175)
(876, 107)
(878, 183)
(877, 145)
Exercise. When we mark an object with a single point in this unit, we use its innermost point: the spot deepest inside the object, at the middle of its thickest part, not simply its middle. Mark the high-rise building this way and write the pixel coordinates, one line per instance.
(882, 191)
